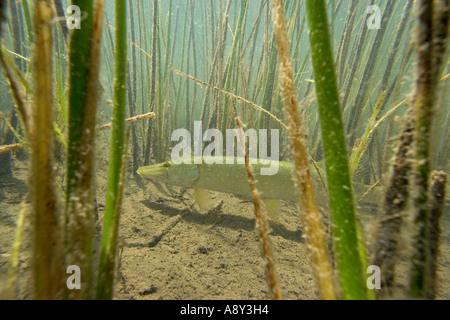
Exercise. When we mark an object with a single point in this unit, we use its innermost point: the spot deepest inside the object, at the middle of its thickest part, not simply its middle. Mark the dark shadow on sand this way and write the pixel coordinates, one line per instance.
(12, 185)
(222, 220)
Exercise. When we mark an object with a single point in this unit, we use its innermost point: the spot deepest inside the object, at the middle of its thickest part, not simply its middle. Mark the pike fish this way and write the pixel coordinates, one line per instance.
(227, 178)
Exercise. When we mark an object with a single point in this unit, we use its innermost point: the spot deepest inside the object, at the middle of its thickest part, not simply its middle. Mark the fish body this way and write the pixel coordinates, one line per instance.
(229, 177)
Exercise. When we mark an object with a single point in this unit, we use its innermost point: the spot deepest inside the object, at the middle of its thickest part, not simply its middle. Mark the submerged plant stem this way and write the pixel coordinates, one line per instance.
(18, 94)
(431, 42)
(437, 193)
(10, 292)
(349, 249)
(232, 96)
(47, 245)
(315, 233)
(390, 220)
(113, 195)
(261, 222)
(84, 87)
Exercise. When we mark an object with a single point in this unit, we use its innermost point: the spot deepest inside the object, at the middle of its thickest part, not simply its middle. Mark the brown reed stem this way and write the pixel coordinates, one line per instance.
(430, 43)
(10, 148)
(315, 234)
(232, 96)
(437, 204)
(48, 238)
(18, 146)
(395, 200)
(129, 120)
(261, 221)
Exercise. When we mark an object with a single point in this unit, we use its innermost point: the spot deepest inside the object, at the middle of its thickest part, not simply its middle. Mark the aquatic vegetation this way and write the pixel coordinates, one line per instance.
(350, 260)
(332, 76)
(314, 230)
(433, 28)
(118, 150)
(47, 245)
(83, 97)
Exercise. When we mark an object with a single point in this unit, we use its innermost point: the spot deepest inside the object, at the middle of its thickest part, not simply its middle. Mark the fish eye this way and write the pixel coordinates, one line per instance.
(166, 165)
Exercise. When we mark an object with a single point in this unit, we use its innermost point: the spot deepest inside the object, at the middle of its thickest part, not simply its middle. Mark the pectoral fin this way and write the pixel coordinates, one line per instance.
(203, 199)
(273, 208)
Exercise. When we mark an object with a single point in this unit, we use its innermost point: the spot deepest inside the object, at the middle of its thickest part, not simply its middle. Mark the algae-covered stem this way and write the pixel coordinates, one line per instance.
(432, 35)
(84, 67)
(315, 233)
(390, 217)
(112, 208)
(437, 207)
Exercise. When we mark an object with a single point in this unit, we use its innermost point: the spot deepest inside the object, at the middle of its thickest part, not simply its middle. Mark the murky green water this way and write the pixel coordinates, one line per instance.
(230, 45)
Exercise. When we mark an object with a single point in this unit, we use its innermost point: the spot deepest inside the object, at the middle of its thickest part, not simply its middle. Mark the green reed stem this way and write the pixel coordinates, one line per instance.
(84, 69)
(339, 183)
(153, 129)
(28, 20)
(314, 231)
(368, 74)
(269, 86)
(79, 53)
(231, 62)
(11, 289)
(113, 196)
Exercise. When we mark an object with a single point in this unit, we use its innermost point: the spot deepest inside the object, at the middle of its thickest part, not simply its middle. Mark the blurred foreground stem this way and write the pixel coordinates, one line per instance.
(432, 38)
(47, 250)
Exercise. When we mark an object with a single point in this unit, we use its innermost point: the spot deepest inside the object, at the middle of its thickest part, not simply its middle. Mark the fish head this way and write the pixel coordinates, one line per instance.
(183, 174)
